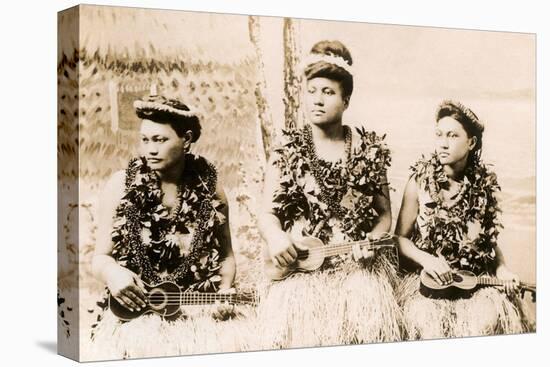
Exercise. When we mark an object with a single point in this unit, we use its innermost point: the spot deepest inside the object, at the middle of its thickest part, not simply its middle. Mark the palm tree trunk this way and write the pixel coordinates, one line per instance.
(265, 123)
(291, 76)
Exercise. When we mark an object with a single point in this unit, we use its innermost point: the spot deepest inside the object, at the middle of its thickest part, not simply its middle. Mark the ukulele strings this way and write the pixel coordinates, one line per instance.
(330, 251)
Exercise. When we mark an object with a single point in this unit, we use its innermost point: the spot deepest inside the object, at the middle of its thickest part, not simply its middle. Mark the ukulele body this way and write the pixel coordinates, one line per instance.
(162, 301)
(308, 260)
(463, 286)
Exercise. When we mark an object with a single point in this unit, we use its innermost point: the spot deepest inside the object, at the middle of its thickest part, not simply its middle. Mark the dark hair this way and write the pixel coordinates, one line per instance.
(327, 70)
(169, 111)
(469, 121)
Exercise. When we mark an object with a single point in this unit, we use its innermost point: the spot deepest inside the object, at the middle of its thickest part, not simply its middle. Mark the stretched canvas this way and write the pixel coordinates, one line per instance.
(312, 204)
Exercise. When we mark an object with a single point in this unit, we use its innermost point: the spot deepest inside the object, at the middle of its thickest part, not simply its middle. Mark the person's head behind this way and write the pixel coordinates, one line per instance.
(329, 81)
(459, 134)
(168, 127)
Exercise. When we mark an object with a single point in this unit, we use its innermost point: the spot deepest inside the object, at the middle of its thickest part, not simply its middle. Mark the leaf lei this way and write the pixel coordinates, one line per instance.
(145, 236)
(357, 183)
(446, 226)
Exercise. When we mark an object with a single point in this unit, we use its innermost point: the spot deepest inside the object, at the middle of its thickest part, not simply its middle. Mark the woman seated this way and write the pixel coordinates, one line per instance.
(449, 221)
(327, 181)
(163, 219)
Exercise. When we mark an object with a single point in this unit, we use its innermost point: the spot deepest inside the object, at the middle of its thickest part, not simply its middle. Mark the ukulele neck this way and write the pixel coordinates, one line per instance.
(493, 281)
(345, 248)
(488, 280)
(197, 298)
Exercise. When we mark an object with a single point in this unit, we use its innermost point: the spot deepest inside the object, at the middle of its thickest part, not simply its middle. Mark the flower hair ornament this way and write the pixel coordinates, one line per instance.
(339, 61)
(155, 103)
(450, 104)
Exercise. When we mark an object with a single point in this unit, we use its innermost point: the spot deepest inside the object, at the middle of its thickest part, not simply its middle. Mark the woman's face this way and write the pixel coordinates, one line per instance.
(324, 101)
(452, 141)
(160, 145)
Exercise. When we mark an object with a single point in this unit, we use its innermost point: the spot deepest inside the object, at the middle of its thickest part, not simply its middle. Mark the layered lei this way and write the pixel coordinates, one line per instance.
(151, 242)
(446, 226)
(356, 182)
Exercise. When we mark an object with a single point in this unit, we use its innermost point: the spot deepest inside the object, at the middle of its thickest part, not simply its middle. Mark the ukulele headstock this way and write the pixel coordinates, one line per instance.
(528, 288)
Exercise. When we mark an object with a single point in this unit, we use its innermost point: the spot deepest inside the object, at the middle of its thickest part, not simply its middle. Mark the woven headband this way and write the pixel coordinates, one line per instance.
(463, 109)
(339, 61)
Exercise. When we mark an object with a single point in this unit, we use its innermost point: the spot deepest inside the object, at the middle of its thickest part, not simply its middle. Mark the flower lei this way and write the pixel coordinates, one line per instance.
(147, 238)
(356, 182)
(446, 225)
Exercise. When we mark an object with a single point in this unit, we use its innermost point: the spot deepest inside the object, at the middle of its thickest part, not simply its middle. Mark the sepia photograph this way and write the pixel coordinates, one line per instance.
(233, 183)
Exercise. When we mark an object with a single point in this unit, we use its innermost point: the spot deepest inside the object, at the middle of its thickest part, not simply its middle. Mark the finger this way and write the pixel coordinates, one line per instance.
(434, 276)
(139, 283)
(373, 236)
(281, 262)
(276, 262)
(135, 295)
(356, 253)
(128, 293)
(367, 253)
(446, 274)
(138, 292)
(444, 271)
(444, 264)
(288, 258)
(512, 287)
(448, 277)
(508, 288)
(292, 252)
(439, 275)
(126, 302)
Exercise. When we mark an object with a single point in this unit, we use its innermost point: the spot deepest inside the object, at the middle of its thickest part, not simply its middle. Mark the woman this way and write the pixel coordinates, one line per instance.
(449, 221)
(164, 218)
(328, 182)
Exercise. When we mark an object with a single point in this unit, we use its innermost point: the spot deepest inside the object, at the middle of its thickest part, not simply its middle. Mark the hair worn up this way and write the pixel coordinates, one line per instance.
(469, 121)
(180, 124)
(327, 70)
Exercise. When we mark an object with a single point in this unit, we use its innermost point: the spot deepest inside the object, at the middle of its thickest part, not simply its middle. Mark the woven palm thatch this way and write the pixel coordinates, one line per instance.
(206, 60)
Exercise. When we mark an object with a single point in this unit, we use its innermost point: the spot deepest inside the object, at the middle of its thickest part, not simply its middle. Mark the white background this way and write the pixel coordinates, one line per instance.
(28, 180)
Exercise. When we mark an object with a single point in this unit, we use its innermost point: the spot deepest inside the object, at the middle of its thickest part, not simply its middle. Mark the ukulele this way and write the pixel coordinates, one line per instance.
(166, 299)
(464, 284)
(315, 252)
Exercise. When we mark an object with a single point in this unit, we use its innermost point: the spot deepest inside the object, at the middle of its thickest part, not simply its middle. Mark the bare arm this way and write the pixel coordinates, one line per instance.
(437, 267)
(123, 284)
(383, 208)
(279, 244)
(227, 269)
(511, 279)
(113, 191)
(405, 223)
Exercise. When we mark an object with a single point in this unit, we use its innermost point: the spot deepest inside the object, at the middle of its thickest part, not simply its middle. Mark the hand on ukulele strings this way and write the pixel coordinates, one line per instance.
(223, 310)
(363, 253)
(510, 279)
(286, 250)
(127, 288)
(438, 268)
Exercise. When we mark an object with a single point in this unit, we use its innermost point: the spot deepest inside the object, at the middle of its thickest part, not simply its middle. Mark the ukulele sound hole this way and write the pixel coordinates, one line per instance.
(157, 299)
(457, 278)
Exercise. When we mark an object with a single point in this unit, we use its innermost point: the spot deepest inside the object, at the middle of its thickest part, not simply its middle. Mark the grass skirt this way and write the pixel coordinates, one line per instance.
(345, 305)
(152, 336)
(488, 312)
